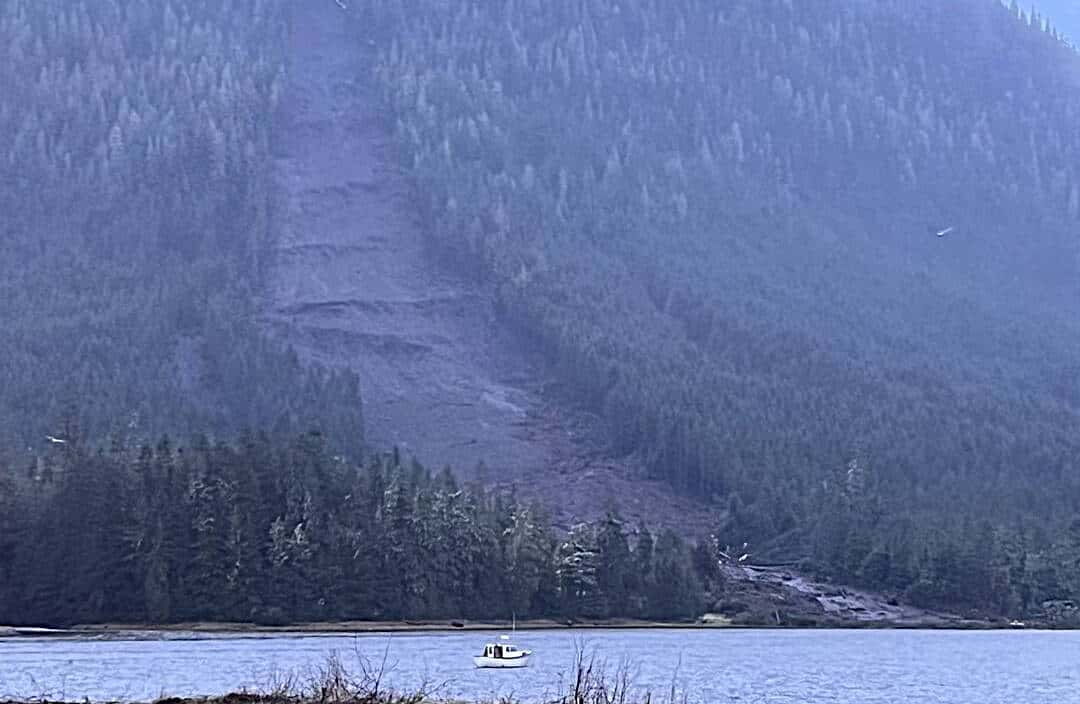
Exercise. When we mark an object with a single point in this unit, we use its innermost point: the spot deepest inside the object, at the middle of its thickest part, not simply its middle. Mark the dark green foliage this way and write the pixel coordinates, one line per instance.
(273, 532)
(615, 573)
(716, 221)
(138, 210)
(673, 586)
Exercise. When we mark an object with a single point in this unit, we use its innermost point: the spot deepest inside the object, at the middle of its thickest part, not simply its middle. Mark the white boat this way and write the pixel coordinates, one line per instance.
(503, 654)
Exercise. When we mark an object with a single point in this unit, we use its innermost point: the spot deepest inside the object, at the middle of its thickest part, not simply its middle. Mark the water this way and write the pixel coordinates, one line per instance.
(807, 667)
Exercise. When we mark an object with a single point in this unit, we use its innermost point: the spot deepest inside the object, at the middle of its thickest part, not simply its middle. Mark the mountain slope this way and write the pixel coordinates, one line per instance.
(354, 285)
(350, 273)
(137, 206)
(718, 222)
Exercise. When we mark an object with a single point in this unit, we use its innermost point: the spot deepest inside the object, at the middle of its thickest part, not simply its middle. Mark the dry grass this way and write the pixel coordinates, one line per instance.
(592, 682)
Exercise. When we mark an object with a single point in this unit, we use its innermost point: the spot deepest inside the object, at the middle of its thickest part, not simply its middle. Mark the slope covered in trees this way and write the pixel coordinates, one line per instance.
(138, 204)
(719, 222)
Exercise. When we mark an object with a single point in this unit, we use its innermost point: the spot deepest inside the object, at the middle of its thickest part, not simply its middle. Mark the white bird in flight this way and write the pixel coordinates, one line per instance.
(56, 441)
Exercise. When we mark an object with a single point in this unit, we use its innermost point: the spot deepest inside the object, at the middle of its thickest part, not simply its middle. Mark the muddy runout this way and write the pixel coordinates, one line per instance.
(781, 597)
(353, 285)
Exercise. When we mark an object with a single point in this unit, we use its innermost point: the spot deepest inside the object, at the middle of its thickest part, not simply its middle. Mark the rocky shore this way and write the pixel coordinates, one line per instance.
(754, 597)
(779, 597)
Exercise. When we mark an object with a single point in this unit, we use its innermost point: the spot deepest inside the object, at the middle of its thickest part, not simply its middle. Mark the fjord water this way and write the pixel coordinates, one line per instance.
(842, 667)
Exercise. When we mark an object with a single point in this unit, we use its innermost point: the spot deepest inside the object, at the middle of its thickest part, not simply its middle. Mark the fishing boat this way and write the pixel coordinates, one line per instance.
(503, 654)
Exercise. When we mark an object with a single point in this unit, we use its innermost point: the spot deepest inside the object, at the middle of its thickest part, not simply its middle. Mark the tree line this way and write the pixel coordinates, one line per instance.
(280, 530)
(277, 531)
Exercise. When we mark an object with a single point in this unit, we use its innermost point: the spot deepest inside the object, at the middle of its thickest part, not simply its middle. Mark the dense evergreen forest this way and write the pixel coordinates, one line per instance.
(284, 531)
(814, 263)
(138, 206)
(271, 532)
(719, 222)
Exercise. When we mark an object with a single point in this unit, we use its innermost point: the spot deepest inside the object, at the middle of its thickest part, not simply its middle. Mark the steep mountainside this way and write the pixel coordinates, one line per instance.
(814, 262)
(137, 206)
(813, 269)
(353, 285)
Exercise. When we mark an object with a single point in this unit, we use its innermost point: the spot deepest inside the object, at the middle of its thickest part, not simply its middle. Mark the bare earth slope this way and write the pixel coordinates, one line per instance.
(353, 286)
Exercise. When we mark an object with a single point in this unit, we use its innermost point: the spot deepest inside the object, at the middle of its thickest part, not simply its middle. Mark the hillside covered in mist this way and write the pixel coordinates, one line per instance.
(814, 265)
(719, 221)
(138, 208)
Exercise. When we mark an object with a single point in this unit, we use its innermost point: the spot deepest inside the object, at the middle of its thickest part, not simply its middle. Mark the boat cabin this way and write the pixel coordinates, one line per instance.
(501, 651)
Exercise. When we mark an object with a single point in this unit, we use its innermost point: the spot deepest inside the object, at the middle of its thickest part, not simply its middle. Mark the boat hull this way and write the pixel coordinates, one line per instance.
(501, 663)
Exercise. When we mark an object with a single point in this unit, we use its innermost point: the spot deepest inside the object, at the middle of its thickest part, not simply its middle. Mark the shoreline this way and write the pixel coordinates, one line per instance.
(440, 626)
(366, 627)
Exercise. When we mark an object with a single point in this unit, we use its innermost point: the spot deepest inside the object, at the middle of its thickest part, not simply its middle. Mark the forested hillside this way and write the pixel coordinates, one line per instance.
(140, 211)
(278, 531)
(815, 262)
(138, 204)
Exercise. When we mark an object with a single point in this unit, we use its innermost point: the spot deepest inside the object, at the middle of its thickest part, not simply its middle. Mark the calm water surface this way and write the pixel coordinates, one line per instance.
(845, 667)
